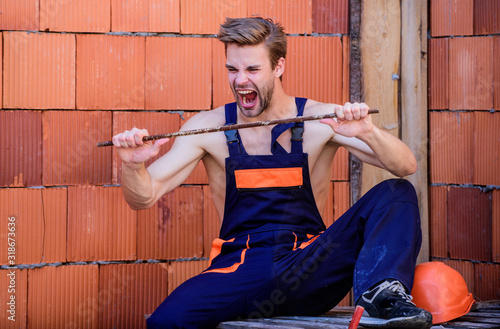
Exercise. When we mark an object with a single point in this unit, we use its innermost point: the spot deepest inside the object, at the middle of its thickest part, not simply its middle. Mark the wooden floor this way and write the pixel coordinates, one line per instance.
(482, 315)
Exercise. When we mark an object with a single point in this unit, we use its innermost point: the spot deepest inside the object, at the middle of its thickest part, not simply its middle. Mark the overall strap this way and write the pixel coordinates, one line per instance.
(297, 130)
(232, 137)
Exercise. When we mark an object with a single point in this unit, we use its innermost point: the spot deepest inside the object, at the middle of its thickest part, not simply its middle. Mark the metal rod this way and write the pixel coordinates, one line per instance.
(237, 126)
(356, 317)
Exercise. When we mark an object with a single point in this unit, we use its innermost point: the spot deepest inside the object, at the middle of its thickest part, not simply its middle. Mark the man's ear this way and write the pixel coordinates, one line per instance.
(280, 68)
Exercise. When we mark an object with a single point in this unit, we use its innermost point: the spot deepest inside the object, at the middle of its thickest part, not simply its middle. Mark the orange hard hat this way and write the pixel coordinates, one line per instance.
(442, 291)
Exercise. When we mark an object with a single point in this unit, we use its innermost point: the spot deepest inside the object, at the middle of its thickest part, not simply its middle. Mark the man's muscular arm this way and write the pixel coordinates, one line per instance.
(354, 130)
(142, 186)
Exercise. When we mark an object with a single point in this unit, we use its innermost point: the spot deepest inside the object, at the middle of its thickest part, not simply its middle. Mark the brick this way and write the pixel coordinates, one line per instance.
(173, 227)
(13, 282)
(129, 291)
(1, 70)
(55, 207)
(451, 17)
(110, 72)
(466, 270)
(199, 174)
(101, 226)
(438, 221)
(21, 137)
(340, 171)
(496, 73)
(496, 225)
(146, 16)
(330, 16)
(20, 15)
(451, 148)
(464, 148)
(222, 93)
(178, 272)
(180, 73)
(211, 221)
(38, 218)
(337, 203)
(70, 155)
(295, 16)
(471, 73)
(205, 16)
(487, 281)
(342, 198)
(469, 224)
(347, 301)
(22, 208)
(486, 148)
(314, 68)
(438, 73)
(39, 71)
(75, 15)
(150, 234)
(63, 297)
(486, 17)
(155, 123)
(328, 211)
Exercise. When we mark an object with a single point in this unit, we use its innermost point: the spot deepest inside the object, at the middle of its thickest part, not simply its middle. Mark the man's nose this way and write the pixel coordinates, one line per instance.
(241, 78)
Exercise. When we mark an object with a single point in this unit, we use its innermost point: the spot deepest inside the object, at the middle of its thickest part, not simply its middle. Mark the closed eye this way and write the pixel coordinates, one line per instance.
(231, 68)
(253, 68)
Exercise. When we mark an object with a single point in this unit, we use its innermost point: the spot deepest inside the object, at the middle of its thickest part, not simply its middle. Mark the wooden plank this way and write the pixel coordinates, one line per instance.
(484, 315)
(468, 325)
(305, 323)
(414, 103)
(328, 321)
(340, 311)
(288, 322)
(490, 320)
(380, 56)
(251, 324)
(339, 317)
(487, 306)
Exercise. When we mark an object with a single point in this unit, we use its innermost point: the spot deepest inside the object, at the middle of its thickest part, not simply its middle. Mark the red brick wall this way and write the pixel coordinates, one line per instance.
(464, 136)
(77, 72)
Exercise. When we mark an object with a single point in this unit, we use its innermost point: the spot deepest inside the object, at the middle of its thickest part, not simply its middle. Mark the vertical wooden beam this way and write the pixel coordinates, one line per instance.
(355, 88)
(380, 56)
(393, 47)
(414, 102)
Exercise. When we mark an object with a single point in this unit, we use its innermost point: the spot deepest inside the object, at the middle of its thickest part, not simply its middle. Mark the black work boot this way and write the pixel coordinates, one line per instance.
(388, 305)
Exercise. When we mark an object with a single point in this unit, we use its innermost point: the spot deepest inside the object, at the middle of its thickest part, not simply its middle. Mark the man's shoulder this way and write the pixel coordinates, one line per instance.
(206, 119)
(314, 107)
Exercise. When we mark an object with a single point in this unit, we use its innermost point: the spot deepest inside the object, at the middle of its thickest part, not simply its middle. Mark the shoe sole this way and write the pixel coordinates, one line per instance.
(420, 321)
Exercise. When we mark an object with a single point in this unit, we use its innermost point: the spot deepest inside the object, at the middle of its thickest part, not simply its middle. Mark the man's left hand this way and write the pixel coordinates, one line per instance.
(352, 120)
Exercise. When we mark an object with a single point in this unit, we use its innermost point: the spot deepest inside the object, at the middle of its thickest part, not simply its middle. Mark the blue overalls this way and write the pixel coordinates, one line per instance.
(275, 256)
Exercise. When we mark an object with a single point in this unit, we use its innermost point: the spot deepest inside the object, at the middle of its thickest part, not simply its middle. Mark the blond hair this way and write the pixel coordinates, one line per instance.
(252, 31)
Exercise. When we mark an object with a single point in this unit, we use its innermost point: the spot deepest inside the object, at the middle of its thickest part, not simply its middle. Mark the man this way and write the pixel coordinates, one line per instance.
(274, 255)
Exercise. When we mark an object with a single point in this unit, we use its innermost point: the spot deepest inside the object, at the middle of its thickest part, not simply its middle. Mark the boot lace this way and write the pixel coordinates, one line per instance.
(397, 287)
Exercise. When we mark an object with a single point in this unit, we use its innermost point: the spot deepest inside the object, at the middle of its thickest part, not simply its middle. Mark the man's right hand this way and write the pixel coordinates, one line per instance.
(132, 149)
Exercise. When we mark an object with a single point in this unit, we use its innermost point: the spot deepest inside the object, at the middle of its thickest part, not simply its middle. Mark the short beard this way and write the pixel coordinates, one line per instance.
(264, 100)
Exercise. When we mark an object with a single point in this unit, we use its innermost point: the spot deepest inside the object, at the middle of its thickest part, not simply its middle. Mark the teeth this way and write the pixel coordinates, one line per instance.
(244, 100)
(244, 92)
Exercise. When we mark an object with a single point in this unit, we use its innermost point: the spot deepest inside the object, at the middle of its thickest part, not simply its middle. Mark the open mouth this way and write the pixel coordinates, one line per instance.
(248, 98)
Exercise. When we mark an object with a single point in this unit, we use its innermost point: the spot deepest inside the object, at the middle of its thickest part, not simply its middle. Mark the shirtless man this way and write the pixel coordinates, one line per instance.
(274, 255)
